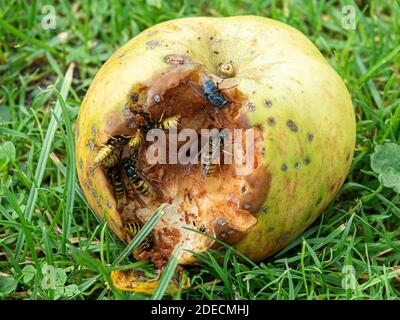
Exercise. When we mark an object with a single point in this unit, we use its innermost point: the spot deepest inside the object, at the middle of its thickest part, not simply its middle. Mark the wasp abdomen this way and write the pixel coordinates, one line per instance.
(137, 140)
(170, 122)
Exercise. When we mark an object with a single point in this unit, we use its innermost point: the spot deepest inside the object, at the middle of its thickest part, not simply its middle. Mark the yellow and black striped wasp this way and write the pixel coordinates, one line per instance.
(149, 123)
(117, 183)
(132, 228)
(141, 185)
(110, 154)
(213, 150)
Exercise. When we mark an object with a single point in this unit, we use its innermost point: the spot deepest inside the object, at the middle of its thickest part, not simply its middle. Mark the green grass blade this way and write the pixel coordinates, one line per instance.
(142, 234)
(44, 155)
(167, 274)
(379, 64)
(57, 162)
(70, 182)
(8, 27)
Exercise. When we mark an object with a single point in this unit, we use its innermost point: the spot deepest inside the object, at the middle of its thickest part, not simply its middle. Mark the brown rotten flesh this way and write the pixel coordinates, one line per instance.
(222, 204)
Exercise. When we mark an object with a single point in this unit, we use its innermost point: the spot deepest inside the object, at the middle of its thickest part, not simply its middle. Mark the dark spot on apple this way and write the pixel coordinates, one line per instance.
(310, 137)
(285, 236)
(91, 171)
(243, 189)
(284, 167)
(263, 151)
(264, 209)
(267, 103)
(81, 164)
(348, 157)
(297, 165)
(292, 126)
(222, 235)
(231, 232)
(318, 201)
(202, 228)
(271, 121)
(108, 204)
(250, 106)
(307, 161)
(99, 204)
(93, 130)
(91, 145)
(270, 229)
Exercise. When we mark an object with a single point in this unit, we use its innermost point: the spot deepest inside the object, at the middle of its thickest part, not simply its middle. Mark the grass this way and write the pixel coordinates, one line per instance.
(46, 226)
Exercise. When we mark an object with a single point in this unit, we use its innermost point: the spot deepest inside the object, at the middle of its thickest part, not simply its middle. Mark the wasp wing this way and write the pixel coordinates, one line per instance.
(137, 196)
(198, 89)
(216, 148)
(151, 183)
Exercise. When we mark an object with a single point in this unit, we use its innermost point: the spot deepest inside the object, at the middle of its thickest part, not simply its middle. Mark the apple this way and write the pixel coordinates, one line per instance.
(269, 79)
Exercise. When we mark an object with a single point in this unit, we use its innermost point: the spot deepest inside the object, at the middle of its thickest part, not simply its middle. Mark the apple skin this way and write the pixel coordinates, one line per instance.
(297, 98)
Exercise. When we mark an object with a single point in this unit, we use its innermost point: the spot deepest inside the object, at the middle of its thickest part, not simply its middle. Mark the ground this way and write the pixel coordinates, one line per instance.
(53, 247)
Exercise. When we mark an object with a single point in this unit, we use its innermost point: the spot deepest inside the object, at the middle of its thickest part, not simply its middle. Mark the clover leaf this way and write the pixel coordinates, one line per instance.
(386, 162)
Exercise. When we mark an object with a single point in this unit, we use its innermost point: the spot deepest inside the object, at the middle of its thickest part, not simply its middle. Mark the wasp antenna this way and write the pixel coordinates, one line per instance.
(235, 85)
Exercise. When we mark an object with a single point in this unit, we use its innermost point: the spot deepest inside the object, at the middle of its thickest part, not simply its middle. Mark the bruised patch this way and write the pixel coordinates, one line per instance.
(177, 59)
(152, 44)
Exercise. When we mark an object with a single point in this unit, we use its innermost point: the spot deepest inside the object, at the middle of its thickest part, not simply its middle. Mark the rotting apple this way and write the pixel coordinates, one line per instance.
(283, 87)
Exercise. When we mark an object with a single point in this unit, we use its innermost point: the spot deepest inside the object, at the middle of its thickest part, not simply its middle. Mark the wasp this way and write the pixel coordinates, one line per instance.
(169, 123)
(165, 124)
(137, 139)
(132, 228)
(116, 180)
(109, 154)
(146, 124)
(140, 184)
(215, 145)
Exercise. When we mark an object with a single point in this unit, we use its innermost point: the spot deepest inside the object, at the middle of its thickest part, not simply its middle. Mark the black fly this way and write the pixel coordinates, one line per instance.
(211, 93)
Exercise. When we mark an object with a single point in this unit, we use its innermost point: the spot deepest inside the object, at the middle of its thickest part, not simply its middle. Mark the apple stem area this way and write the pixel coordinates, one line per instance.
(218, 202)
